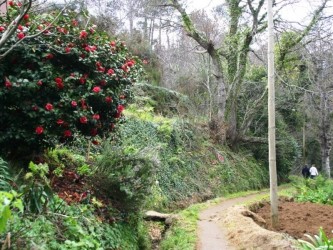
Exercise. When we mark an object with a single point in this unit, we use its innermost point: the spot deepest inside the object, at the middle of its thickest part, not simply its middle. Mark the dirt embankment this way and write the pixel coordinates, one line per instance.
(230, 225)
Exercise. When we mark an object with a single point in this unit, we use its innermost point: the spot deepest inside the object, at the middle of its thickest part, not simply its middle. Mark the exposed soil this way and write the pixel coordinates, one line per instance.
(230, 225)
(73, 188)
(297, 219)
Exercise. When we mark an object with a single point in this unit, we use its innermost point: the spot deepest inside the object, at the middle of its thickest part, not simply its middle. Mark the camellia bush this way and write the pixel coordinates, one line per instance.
(64, 78)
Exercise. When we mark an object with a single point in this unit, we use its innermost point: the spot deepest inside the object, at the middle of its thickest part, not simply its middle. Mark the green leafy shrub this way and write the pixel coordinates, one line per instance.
(36, 191)
(320, 241)
(128, 174)
(287, 149)
(68, 81)
(9, 201)
(61, 158)
(318, 190)
(75, 228)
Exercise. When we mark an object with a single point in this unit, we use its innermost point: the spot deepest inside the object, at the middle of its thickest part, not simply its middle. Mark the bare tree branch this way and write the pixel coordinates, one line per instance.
(28, 37)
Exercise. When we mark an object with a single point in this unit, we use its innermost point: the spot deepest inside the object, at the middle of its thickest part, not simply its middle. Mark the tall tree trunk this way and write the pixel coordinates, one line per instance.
(271, 119)
(145, 28)
(325, 137)
(221, 95)
(131, 20)
(151, 34)
(232, 59)
(160, 33)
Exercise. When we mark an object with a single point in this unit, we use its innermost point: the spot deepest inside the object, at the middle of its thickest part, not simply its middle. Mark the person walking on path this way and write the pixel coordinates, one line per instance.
(306, 171)
(313, 171)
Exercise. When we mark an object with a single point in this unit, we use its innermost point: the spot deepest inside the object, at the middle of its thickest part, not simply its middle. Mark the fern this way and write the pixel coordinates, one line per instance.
(5, 178)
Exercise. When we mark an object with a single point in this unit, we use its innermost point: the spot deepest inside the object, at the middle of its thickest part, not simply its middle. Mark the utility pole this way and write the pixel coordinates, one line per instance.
(271, 119)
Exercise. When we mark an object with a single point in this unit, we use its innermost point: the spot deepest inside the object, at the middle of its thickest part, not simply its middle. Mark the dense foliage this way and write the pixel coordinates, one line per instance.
(70, 80)
(174, 148)
(319, 190)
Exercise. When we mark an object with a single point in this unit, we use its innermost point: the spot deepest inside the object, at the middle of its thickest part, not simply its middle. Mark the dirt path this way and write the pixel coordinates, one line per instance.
(211, 233)
(230, 225)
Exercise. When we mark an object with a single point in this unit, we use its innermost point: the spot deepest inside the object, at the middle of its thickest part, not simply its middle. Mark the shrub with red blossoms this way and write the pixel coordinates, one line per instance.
(64, 83)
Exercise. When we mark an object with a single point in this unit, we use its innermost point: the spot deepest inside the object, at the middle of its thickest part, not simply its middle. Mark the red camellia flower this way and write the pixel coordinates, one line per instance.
(113, 44)
(46, 32)
(20, 35)
(130, 63)
(124, 67)
(48, 106)
(75, 22)
(110, 72)
(93, 132)
(26, 17)
(39, 130)
(95, 142)
(74, 104)
(108, 99)
(83, 120)
(89, 48)
(62, 30)
(96, 89)
(2, 29)
(20, 27)
(101, 69)
(98, 64)
(83, 34)
(67, 49)
(60, 122)
(49, 56)
(59, 83)
(8, 84)
(11, 3)
(40, 83)
(82, 80)
(58, 80)
(96, 116)
(120, 108)
(67, 133)
(83, 104)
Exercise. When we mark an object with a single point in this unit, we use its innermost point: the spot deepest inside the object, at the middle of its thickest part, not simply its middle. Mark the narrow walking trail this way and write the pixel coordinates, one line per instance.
(211, 233)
